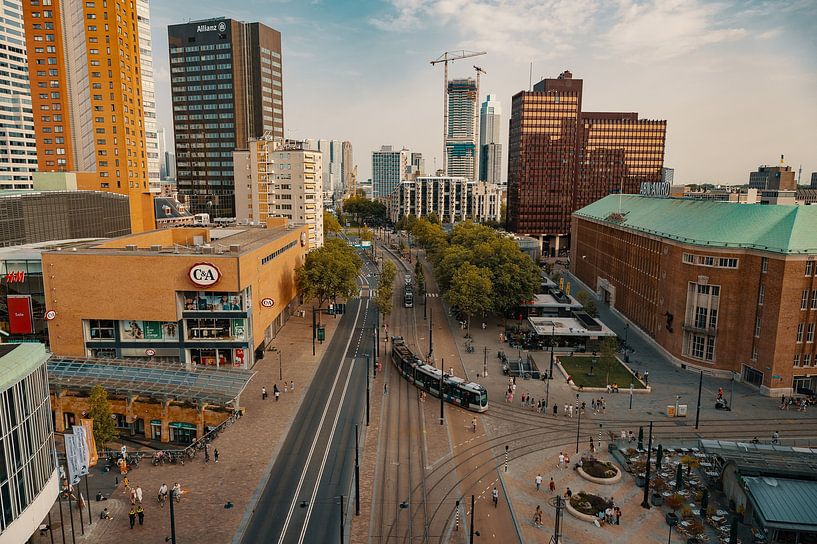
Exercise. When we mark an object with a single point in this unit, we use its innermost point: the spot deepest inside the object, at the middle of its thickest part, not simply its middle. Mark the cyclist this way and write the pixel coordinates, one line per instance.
(162, 494)
(495, 496)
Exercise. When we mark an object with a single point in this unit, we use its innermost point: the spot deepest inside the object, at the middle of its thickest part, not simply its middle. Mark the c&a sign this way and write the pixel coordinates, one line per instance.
(204, 274)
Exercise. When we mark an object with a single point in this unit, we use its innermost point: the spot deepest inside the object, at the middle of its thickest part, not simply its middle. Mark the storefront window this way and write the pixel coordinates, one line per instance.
(149, 330)
(216, 329)
(207, 301)
(102, 329)
(103, 353)
(221, 358)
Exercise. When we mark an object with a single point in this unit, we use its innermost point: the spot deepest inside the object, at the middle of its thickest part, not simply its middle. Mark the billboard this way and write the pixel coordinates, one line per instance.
(76, 453)
(88, 424)
(149, 330)
(20, 321)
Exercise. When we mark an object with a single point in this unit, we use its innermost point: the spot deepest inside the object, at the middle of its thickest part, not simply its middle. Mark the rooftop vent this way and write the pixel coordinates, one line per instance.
(235, 248)
(156, 247)
(207, 249)
(130, 247)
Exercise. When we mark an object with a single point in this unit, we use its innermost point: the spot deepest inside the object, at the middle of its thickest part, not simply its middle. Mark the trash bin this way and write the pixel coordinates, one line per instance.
(670, 410)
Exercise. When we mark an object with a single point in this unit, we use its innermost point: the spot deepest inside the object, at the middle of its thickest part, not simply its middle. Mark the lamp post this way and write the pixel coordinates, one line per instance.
(626, 334)
(506, 458)
(578, 429)
(646, 503)
(172, 516)
(552, 345)
(357, 475)
(280, 367)
(368, 387)
(485, 363)
(731, 390)
(698, 409)
(631, 395)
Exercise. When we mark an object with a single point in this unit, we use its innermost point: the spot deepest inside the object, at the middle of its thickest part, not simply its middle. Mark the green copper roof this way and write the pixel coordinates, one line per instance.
(18, 361)
(776, 228)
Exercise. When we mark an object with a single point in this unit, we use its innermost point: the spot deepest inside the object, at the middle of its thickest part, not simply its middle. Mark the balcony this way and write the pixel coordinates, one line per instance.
(692, 327)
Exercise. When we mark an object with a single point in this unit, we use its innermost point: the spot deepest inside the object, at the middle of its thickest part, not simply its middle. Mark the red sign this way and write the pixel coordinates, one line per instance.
(20, 314)
(16, 277)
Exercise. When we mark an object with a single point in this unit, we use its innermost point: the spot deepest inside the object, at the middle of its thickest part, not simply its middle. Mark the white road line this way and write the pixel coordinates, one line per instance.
(315, 440)
(311, 503)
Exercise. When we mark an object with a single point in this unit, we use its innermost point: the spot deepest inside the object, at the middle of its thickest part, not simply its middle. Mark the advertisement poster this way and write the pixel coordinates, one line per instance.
(76, 454)
(153, 330)
(149, 330)
(238, 329)
(20, 314)
(134, 330)
(88, 425)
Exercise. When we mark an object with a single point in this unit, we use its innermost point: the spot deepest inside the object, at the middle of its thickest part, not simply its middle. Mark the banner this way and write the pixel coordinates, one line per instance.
(20, 314)
(76, 454)
(88, 425)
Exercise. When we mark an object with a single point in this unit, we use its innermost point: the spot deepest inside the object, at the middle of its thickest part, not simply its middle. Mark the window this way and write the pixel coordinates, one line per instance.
(754, 353)
(799, 333)
(757, 327)
(764, 264)
(710, 349)
(727, 263)
(689, 258)
(814, 300)
(804, 300)
(698, 346)
(806, 359)
(810, 333)
(796, 359)
(809, 268)
(700, 317)
(761, 295)
(713, 318)
(101, 329)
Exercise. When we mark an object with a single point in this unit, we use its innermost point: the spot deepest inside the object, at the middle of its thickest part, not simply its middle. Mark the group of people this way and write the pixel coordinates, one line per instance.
(610, 515)
(799, 404)
(276, 391)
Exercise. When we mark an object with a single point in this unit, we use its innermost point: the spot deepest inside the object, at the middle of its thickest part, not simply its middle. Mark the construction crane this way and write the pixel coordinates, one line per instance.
(444, 59)
(476, 125)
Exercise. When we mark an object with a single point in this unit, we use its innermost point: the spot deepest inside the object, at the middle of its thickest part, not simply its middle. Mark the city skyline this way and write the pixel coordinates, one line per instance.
(689, 72)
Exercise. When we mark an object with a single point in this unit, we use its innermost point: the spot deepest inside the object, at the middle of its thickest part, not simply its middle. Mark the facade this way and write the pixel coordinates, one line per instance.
(774, 178)
(561, 158)
(148, 94)
(280, 179)
(18, 145)
(719, 287)
(332, 156)
(223, 294)
(418, 164)
(167, 159)
(347, 168)
(814, 180)
(389, 169)
(225, 79)
(723, 194)
(82, 124)
(490, 148)
(668, 175)
(460, 141)
(452, 199)
(29, 480)
(36, 216)
(171, 213)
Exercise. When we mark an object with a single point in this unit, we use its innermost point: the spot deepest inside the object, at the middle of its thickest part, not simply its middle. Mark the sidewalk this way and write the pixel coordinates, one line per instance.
(247, 450)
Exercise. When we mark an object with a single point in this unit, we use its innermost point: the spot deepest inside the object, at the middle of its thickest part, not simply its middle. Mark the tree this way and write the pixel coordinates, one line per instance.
(691, 462)
(99, 409)
(330, 223)
(385, 288)
(608, 353)
(328, 272)
(433, 218)
(365, 211)
(588, 303)
(366, 234)
(470, 291)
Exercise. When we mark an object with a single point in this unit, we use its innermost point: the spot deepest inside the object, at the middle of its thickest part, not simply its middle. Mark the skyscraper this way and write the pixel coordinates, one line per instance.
(225, 78)
(18, 157)
(418, 164)
(561, 158)
(389, 168)
(94, 102)
(347, 166)
(460, 142)
(490, 150)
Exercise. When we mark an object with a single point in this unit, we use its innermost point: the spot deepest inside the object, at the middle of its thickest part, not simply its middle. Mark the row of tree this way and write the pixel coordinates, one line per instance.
(478, 269)
(329, 272)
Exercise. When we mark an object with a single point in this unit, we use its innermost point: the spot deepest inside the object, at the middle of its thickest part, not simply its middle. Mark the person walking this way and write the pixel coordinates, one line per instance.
(565, 412)
(555, 409)
(568, 493)
(474, 424)
(139, 494)
(646, 377)
(263, 393)
(561, 460)
(592, 445)
(618, 515)
(570, 410)
(552, 485)
(538, 481)
(495, 496)
(292, 385)
(132, 516)
(215, 455)
(537, 516)
(177, 492)
(386, 389)
(775, 437)
(276, 391)
(141, 513)
(286, 386)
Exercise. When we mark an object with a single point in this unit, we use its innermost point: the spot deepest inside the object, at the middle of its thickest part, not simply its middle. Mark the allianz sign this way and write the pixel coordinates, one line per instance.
(654, 189)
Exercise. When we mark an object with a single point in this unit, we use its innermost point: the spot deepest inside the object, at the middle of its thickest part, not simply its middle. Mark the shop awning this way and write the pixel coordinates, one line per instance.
(149, 378)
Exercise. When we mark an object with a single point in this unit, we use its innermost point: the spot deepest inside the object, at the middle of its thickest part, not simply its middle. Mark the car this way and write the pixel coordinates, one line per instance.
(407, 279)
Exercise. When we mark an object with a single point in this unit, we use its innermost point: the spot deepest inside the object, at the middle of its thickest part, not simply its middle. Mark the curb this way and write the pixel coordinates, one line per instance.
(510, 507)
(578, 515)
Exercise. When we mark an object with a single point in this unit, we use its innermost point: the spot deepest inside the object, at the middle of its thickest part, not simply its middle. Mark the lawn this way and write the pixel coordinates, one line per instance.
(578, 367)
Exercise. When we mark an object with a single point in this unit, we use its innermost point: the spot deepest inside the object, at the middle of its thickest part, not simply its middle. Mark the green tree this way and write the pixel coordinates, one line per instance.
(365, 211)
(471, 290)
(609, 347)
(385, 288)
(329, 272)
(99, 409)
(588, 303)
(433, 218)
(330, 223)
(366, 234)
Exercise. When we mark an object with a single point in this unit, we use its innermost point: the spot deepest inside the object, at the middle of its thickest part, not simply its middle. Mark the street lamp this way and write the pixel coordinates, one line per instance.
(671, 521)
(552, 344)
(578, 429)
(731, 390)
(626, 334)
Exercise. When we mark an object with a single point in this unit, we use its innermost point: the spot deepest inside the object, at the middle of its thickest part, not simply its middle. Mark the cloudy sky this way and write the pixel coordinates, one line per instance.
(736, 80)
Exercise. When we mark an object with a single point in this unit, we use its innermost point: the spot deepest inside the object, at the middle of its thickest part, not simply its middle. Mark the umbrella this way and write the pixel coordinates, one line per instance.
(704, 502)
(659, 457)
(641, 438)
(679, 479)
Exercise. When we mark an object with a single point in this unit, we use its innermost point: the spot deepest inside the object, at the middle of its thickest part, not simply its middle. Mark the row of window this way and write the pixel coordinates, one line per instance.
(809, 328)
(197, 48)
(707, 260)
(804, 299)
(806, 359)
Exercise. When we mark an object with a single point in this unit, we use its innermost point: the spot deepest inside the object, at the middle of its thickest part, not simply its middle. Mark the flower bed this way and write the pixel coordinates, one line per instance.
(589, 504)
(600, 472)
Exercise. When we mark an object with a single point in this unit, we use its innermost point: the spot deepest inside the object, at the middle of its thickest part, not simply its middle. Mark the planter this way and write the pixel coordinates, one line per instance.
(640, 481)
(578, 515)
(603, 481)
(672, 518)
(657, 499)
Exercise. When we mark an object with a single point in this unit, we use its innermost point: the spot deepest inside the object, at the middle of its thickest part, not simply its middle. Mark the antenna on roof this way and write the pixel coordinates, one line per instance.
(781, 159)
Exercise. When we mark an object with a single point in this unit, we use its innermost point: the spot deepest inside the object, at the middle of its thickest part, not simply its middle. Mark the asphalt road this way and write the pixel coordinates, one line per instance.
(301, 501)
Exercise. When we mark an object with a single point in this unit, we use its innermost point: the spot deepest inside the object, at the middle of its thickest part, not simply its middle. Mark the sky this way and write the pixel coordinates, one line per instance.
(736, 80)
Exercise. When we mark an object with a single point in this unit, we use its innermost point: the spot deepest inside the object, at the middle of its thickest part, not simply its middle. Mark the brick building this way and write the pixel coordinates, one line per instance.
(720, 287)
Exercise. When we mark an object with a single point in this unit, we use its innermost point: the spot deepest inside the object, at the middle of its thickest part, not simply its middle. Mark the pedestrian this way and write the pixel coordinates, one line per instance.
(552, 485)
(646, 377)
(141, 513)
(565, 412)
(162, 494)
(631, 436)
(537, 516)
(276, 391)
(775, 437)
(474, 424)
(618, 515)
(538, 481)
(215, 455)
(385, 389)
(568, 493)
(177, 492)
(584, 405)
(105, 514)
(133, 495)
(132, 516)
(286, 386)
(561, 460)
(292, 385)
(593, 404)
(263, 393)
(495, 496)
(555, 409)
(592, 445)
(567, 461)
(126, 483)
(139, 494)
(570, 410)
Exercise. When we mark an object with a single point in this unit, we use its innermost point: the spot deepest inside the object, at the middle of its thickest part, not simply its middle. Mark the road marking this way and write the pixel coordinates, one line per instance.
(311, 503)
(315, 440)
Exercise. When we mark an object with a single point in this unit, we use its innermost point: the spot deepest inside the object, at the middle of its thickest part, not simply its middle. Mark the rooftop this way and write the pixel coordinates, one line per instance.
(18, 361)
(779, 228)
(149, 378)
(566, 326)
(783, 503)
(765, 459)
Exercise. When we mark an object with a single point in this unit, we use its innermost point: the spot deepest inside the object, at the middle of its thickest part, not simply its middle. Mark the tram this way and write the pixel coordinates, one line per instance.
(408, 297)
(468, 395)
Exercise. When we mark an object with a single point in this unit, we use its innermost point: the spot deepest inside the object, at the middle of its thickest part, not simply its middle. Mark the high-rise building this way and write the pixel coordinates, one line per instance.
(773, 178)
(814, 180)
(225, 78)
(18, 145)
(389, 168)
(275, 178)
(167, 159)
(561, 158)
(94, 102)
(451, 198)
(460, 141)
(347, 166)
(490, 150)
(668, 175)
(418, 164)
